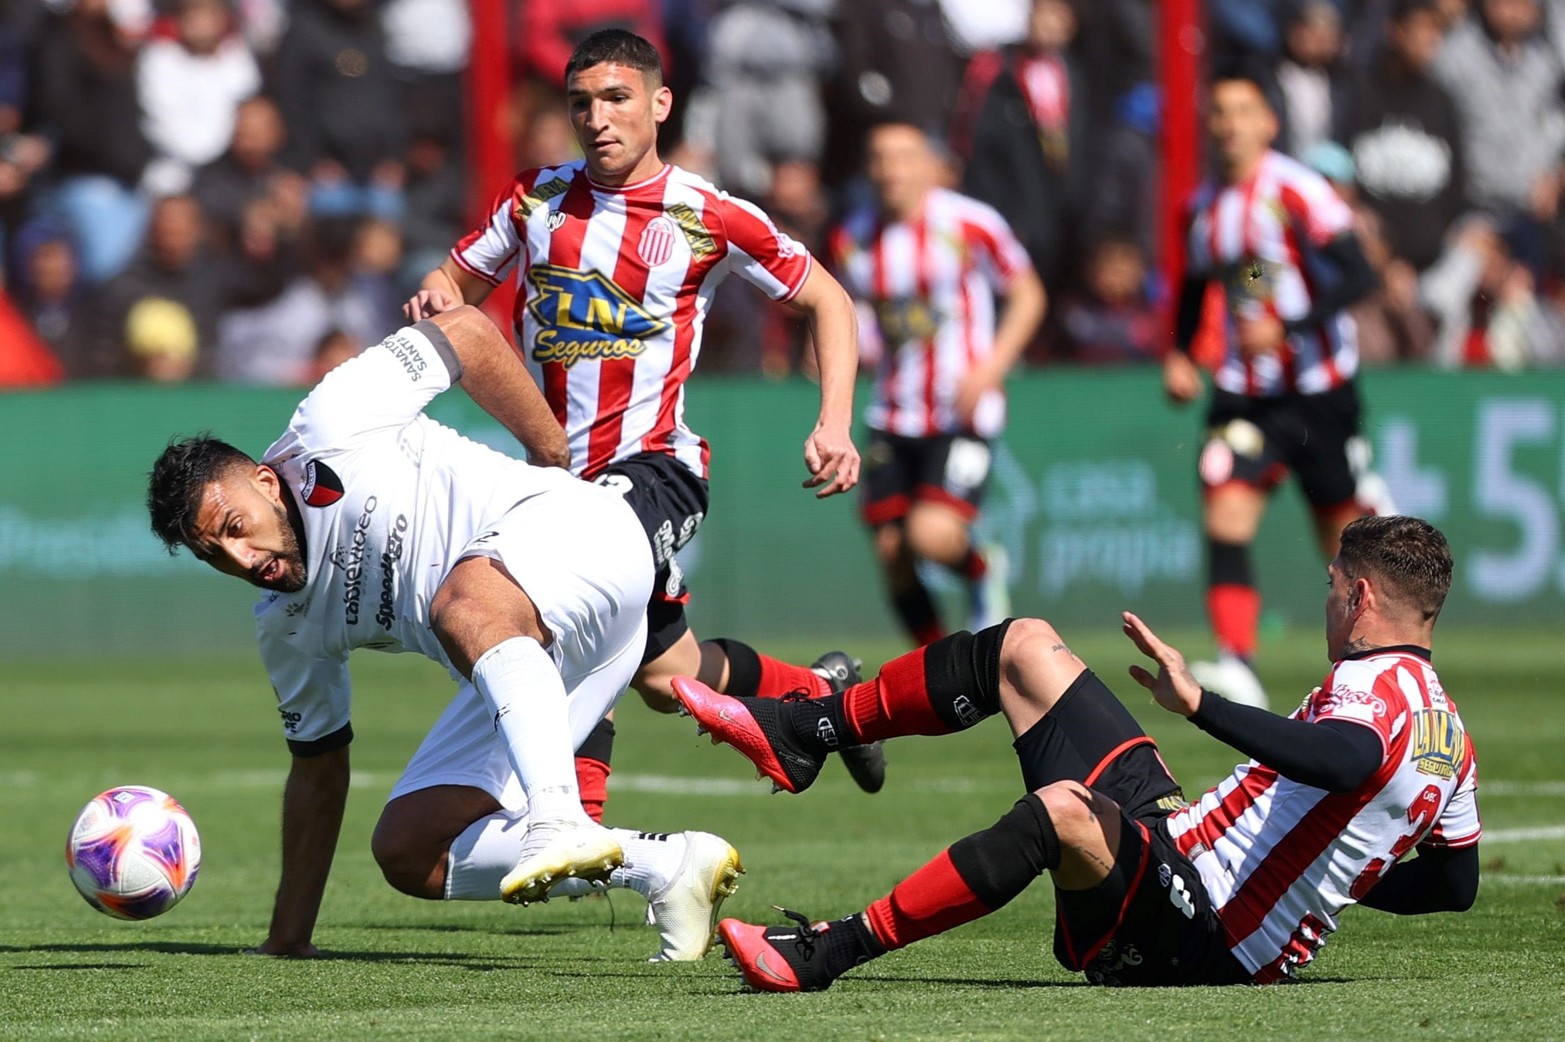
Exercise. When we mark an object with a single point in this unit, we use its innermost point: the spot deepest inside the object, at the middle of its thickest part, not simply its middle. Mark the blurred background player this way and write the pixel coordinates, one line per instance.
(927, 264)
(1242, 886)
(1273, 264)
(616, 258)
(541, 633)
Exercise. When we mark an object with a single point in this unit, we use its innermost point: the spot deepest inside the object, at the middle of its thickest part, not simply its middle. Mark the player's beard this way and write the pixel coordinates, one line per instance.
(295, 572)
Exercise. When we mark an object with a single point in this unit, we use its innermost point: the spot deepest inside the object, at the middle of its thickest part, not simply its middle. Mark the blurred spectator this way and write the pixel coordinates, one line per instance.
(551, 29)
(1029, 137)
(987, 26)
(21, 155)
(1124, 194)
(162, 343)
(898, 64)
(761, 91)
(343, 107)
(1113, 320)
(428, 43)
(1244, 27)
(249, 175)
(335, 348)
(1406, 138)
(1484, 304)
(436, 210)
(48, 291)
(190, 86)
(1309, 75)
(547, 138)
(345, 287)
(1390, 320)
(177, 266)
(85, 100)
(25, 361)
(1506, 81)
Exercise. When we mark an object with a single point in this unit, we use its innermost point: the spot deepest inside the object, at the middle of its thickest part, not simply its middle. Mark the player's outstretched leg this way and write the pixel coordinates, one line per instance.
(866, 763)
(948, 686)
(968, 880)
(685, 877)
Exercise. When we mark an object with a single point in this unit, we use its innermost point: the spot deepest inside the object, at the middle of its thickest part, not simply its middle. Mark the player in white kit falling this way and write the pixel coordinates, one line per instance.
(1242, 886)
(372, 526)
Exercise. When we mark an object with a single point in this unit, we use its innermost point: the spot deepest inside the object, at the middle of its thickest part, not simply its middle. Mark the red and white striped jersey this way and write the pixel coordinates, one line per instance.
(1281, 859)
(1256, 241)
(613, 288)
(931, 283)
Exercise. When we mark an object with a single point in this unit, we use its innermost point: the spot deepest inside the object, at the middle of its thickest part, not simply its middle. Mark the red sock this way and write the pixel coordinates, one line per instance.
(895, 703)
(592, 777)
(1235, 611)
(779, 678)
(932, 900)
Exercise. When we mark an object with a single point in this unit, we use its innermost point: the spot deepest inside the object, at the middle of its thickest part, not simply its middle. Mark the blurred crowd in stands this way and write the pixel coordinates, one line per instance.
(247, 189)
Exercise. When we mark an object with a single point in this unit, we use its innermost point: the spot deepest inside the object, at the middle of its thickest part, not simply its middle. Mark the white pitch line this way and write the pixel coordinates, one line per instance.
(1511, 788)
(1522, 835)
(1491, 880)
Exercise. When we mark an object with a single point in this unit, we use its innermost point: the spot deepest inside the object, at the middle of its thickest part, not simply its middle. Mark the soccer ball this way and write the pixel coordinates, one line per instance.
(133, 852)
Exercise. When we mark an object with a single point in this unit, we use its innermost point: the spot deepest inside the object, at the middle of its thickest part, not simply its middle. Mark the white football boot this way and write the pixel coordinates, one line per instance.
(990, 597)
(556, 850)
(1231, 677)
(684, 909)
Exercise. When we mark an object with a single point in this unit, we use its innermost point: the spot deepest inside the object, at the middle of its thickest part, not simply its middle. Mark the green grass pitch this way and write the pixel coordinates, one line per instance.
(404, 969)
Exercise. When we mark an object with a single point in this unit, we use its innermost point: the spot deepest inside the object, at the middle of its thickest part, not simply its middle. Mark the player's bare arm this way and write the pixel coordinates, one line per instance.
(1026, 302)
(495, 377)
(443, 289)
(313, 802)
(829, 453)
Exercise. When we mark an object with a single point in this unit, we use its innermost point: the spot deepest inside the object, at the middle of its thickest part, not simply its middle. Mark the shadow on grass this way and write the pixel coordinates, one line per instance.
(458, 960)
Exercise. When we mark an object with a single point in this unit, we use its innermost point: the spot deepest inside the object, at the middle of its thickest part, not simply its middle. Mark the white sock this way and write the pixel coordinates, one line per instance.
(489, 848)
(531, 711)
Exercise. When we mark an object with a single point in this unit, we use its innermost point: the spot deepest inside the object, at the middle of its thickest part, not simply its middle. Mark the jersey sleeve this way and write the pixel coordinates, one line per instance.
(766, 257)
(490, 250)
(1458, 825)
(381, 389)
(1000, 254)
(1315, 208)
(313, 696)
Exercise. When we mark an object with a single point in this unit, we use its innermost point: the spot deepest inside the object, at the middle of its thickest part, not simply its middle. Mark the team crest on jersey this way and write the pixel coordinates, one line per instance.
(322, 486)
(585, 315)
(904, 320)
(657, 242)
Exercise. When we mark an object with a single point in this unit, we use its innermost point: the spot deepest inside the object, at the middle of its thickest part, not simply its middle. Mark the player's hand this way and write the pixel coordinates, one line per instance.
(1174, 688)
(285, 950)
(977, 383)
(1262, 335)
(832, 460)
(1181, 378)
(427, 303)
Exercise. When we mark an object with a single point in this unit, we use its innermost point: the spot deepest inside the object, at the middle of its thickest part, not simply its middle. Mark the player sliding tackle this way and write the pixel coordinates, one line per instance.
(372, 526)
(1241, 886)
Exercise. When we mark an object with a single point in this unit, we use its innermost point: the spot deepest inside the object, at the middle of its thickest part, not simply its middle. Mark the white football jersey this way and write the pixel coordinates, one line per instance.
(390, 500)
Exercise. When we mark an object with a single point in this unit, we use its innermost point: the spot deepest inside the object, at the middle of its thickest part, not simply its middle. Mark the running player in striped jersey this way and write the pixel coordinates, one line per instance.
(926, 264)
(1242, 886)
(1273, 264)
(616, 257)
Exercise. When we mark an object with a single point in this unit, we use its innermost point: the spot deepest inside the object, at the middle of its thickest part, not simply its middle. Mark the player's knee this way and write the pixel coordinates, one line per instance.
(1072, 808)
(1025, 640)
(936, 534)
(406, 861)
(890, 545)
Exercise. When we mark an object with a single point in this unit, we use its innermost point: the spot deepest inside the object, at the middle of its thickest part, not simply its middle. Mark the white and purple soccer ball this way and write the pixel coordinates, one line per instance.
(133, 852)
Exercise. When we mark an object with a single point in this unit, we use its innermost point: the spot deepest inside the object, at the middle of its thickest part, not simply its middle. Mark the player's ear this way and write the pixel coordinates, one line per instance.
(268, 482)
(662, 104)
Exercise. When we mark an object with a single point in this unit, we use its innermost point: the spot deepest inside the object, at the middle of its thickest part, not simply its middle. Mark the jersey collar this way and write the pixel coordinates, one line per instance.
(1392, 649)
(632, 188)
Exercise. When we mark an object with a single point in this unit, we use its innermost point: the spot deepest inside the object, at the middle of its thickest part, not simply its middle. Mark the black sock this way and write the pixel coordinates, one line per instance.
(917, 612)
(817, 725)
(1003, 860)
(849, 943)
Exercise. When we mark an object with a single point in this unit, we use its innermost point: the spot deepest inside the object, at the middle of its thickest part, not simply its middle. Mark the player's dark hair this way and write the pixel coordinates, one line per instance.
(179, 480)
(1407, 554)
(1251, 71)
(617, 47)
